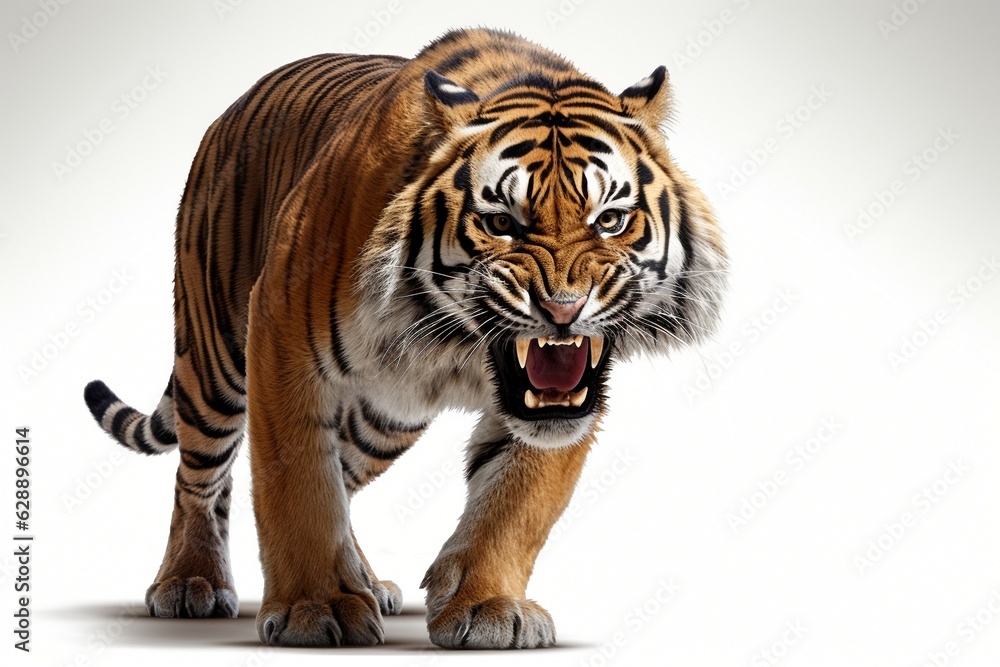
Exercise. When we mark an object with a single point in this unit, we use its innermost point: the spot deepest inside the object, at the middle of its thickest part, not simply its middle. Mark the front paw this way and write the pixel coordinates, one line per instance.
(190, 597)
(344, 619)
(496, 623)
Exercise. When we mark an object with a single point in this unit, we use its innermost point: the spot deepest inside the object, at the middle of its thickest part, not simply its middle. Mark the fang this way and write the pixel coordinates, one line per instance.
(530, 399)
(522, 350)
(596, 348)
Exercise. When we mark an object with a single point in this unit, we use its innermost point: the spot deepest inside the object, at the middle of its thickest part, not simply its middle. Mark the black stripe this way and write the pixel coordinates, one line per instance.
(583, 83)
(141, 443)
(601, 124)
(573, 186)
(198, 461)
(684, 231)
(598, 162)
(456, 60)
(521, 94)
(383, 424)
(513, 106)
(349, 471)
(518, 150)
(190, 416)
(529, 80)
(484, 454)
(624, 192)
(592, 144)
(441, 271)
(118, 422)
(365, 446)
(645, 173)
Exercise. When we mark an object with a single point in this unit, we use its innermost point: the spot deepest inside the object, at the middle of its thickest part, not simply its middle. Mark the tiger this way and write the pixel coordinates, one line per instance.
(366, 241)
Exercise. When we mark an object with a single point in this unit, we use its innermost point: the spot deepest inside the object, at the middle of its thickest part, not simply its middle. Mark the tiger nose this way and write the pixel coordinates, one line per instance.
(563, 312)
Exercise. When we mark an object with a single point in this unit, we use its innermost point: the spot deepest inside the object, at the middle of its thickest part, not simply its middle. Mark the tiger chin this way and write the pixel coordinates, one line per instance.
(365, 241)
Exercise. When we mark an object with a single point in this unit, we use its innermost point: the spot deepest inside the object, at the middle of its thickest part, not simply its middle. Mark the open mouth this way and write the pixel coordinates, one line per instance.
(550, 378)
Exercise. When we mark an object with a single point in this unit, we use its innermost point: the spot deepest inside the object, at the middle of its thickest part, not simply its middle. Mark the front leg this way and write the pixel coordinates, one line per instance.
(476, 586)
(317, 591)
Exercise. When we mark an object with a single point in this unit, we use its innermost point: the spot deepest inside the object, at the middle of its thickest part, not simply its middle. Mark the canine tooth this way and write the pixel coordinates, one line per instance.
(596, 347)
(522, 350)
(578, 340)
(577, 399)
(530, 399)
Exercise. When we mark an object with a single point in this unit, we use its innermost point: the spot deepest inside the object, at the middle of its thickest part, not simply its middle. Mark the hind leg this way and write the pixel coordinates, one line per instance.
(195, 579)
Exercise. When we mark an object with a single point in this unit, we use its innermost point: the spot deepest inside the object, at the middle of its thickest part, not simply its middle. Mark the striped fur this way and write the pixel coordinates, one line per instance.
(361, 241)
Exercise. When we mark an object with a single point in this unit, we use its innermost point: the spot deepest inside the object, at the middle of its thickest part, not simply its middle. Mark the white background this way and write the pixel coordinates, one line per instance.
(818, 308)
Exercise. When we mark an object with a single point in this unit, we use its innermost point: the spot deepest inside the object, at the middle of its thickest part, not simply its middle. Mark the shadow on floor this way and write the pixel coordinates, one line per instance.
(404, 634)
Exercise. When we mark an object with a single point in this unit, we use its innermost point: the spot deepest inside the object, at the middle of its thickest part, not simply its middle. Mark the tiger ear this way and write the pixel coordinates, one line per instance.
(451, 103)
(648, 100)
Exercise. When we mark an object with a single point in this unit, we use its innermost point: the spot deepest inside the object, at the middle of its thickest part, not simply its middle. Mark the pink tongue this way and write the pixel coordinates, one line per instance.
(558, 367)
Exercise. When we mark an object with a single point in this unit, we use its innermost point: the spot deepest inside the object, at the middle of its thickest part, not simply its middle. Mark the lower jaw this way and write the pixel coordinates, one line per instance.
(551, 433)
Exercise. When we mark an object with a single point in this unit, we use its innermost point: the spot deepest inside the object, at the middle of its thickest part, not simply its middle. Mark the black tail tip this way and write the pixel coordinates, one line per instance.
(98, 397)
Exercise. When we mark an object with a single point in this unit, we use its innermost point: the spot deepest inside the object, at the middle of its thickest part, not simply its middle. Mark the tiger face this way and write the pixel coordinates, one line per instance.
(552, 233)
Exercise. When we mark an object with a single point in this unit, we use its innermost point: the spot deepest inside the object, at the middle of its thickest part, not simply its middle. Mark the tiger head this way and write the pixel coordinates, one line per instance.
(549, 232)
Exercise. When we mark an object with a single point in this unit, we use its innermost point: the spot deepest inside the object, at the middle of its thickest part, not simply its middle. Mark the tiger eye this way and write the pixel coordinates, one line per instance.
(609, 219)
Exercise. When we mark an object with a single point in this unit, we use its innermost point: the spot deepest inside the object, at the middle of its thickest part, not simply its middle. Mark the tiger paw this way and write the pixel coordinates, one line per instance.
(390, 598)
(496, 623)
(191, 597)
(345, 619)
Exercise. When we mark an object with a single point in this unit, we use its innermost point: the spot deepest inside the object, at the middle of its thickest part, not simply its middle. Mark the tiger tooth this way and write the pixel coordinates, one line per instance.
(543, 341)
(596, 347)
(578, 340)
(530, 399)
(577, 399)
(522, 350)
